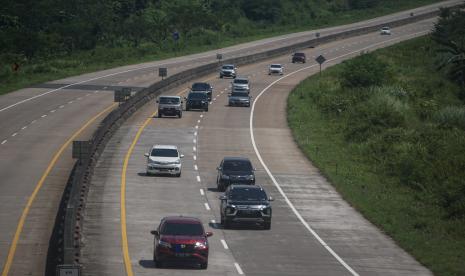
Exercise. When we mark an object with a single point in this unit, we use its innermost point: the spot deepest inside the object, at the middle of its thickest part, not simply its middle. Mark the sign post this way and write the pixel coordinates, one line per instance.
(320, 59)
(123, 94)
(162, 72)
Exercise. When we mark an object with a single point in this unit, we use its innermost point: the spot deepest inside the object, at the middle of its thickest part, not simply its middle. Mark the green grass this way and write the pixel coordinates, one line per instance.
(368, 173)
(41, 70)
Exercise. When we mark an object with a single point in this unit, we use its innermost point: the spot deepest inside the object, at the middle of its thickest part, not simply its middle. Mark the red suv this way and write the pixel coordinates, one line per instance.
(181, 239)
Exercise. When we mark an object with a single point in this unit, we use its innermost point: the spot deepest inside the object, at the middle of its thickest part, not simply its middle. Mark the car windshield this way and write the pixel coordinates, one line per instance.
(385, 28)
(247, 194)
(199, 96)
(237, 165)
(182, 229)
(275, 66)
(200, 86)
(164, 152)
(299, 54)
(239, 94)
(229, 67)
(165, 100)
(241, 81)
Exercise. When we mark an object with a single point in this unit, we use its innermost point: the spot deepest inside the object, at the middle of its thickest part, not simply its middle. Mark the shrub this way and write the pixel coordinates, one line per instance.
(451, 116)
(364, 71)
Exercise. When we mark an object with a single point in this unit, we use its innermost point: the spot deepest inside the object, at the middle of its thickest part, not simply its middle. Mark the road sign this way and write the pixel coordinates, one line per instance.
(122, 95)
(320, 59)
(175, 36)
(68, 270)
(317, 35)
(162, 72)
(219, 57)
(81, 149)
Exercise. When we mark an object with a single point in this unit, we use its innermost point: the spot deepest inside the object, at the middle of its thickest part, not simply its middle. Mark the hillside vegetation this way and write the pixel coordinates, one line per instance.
(388, 130)
(49, 39)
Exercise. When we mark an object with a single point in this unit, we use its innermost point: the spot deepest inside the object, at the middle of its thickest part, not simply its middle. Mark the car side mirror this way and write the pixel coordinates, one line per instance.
(181, 156)
(146, 154)
(156, 101)
(208, 234)
(155, 233)
(222, 197)
(270, 198)
(218, 168)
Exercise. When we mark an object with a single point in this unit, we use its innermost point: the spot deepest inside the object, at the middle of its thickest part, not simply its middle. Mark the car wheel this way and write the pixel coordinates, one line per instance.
(204, 265)
(226, 224)
(267, 225)
(148, 174)
(221, 76)
(178, 174)
(160, 114)
(187, 108)
(206, 109)
(180, 114)
(158, 264)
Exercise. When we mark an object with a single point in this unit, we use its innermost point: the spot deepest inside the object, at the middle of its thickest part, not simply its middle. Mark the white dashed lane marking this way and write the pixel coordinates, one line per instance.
(24, 127)
(195, 157)
(202, 192)
(4, 141)
(61, 106)
(196, 168)
(225, 245)
(238, 268)
(70, 102)
(198, 178)
(33, 121)
(53, 111)
(14, 134)
(194, 148)
(43, 116)
(207, 206)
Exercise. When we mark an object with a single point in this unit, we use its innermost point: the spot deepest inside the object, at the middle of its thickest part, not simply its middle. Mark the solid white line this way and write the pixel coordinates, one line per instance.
(195, 168)
(225, 245)
(202, 192)
(195, 157)
(207, 206)
(198, 178)
(294, 210)
(14, 134)
(24, 127)
(238, 268)
(43, 116)
(4, 141)
(194, 148)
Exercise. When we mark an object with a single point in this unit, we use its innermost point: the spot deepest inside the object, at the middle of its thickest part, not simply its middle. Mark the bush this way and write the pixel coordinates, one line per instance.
(450, 117)
(364, 71)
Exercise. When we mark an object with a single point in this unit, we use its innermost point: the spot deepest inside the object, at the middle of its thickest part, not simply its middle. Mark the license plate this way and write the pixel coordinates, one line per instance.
(182, 254)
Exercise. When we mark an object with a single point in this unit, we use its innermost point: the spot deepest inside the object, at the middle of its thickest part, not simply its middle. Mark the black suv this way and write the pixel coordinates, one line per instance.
(299, 57)
(234, 170)
(245, 203)
(203, 86)
(197, 100)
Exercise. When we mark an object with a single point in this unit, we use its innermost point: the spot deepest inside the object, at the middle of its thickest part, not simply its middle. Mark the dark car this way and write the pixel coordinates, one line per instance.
(245, 203)
(180, 238)
(239, 99)
(235, 170)
(197, 100)
(203, 86)
(299, 57)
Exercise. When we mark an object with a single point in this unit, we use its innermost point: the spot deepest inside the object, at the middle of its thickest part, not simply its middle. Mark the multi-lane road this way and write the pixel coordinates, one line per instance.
(313, 230)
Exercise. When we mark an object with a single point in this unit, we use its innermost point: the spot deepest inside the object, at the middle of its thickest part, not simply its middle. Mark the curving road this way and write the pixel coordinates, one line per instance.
(38, 124)
(314, 231)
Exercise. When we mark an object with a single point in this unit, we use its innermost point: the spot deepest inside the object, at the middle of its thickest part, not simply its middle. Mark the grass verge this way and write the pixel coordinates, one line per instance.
(390, 150)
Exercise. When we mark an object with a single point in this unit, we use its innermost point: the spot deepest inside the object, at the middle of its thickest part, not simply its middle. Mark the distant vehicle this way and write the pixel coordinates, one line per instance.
(245, 203)
(275, 69)
(228, 70)
(385, 30)
(234, 170)
(164, 159)
(197, 100)
(239, 99)
(181, 239)
(203, 86)
(299, 57)
(169, 105)
(240, 82)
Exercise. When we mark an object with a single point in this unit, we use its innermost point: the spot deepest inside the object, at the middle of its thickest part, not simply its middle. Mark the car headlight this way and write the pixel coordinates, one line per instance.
(250, 177)
(200, 245)
(164, 244)
(177, 162)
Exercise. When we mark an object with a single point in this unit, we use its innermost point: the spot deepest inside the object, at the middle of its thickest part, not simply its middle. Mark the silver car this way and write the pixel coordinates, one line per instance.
(241, 83)
(239, 99)
(164, 159)
(169, 105)
(275, 69)
(228, 70)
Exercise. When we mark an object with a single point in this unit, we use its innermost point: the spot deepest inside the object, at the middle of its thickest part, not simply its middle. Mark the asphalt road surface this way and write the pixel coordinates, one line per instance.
(38, 124)
(314, 232)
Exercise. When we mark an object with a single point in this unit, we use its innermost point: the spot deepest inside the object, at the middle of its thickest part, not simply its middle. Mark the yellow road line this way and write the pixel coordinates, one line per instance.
(19, 228)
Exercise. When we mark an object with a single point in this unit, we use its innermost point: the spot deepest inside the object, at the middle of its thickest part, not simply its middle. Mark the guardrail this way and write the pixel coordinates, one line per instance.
(67, 233)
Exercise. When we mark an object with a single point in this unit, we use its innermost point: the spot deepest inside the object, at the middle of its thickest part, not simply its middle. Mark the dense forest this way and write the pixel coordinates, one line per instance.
(45, 28)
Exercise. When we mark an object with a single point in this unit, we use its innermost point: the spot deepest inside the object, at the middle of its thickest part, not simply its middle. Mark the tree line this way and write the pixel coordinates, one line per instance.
(47, 28)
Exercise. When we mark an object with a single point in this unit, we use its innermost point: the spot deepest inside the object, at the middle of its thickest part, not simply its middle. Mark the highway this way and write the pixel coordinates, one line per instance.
(314, 231)
(38, 124)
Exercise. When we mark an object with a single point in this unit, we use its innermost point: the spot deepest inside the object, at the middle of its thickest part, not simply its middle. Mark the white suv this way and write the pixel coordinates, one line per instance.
(275, 69)
(164, 159)
(385, 30)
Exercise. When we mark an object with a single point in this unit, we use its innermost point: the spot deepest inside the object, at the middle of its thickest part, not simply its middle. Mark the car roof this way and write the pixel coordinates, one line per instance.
(182, 219)
(241, 78)
(245, 186)
(164, 147)
(227, 65)
(203, 83)
(229, 158)
(276, 64)
(177, 97)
